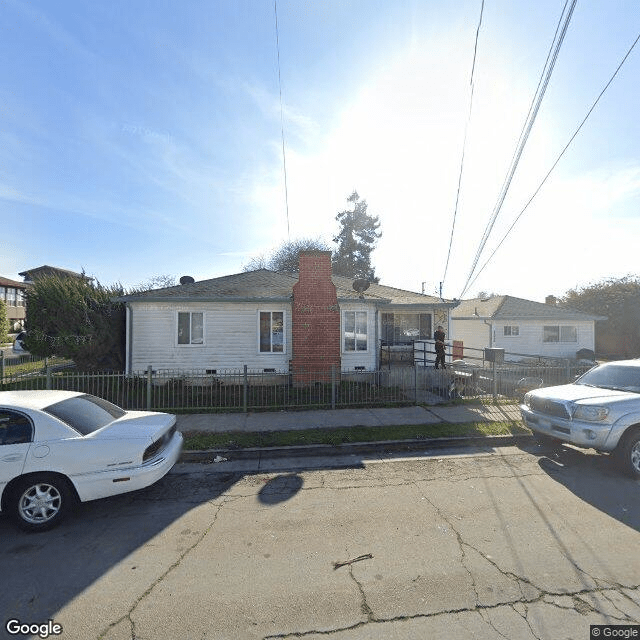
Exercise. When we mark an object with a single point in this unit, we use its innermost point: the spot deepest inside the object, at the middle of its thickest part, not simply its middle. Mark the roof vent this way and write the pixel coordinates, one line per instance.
(186, 280)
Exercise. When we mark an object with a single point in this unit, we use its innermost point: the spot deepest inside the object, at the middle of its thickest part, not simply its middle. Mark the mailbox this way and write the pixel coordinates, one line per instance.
(494, 355)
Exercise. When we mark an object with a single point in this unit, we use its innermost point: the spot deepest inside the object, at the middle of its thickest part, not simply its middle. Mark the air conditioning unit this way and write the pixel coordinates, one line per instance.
(494, 354)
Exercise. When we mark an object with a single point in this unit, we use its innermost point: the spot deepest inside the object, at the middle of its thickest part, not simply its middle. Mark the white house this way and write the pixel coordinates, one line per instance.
(522, 327)
(275, 321)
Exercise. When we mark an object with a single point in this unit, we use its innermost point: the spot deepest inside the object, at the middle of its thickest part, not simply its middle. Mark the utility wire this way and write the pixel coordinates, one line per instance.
(464, 145)
(553, 166)
(526, 130)
(284, 155)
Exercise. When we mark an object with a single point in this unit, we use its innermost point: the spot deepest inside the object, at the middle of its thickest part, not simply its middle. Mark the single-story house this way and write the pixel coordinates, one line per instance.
(522, 327)
(12, 294)
(275, 321)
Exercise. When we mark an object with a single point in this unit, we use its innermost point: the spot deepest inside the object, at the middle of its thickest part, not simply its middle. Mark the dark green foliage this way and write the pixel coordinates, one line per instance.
(4, 323)
(286, 256)
(356, 240)
(619, 300)
(77, 319)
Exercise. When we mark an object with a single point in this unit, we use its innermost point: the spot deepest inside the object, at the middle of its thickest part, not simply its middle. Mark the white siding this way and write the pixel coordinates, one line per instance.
(475, 334)
(530, 341)
(230, 337)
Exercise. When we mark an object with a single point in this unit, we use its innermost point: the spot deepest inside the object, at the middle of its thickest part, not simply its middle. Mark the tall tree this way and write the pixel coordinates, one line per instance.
(356, 240)
(76, 319)
(285, 257)
(619, 301)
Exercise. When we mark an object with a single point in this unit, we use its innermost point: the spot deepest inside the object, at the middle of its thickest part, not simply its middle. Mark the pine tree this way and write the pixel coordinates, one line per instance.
(356, 240)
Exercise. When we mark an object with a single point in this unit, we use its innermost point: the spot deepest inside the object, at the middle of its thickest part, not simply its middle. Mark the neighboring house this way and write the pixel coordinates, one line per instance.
(275, 321)
(522, 327)
(12, 294)
(47, 271)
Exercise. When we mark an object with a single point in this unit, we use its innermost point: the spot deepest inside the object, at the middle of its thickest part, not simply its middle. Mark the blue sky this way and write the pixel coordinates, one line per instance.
(144, 138)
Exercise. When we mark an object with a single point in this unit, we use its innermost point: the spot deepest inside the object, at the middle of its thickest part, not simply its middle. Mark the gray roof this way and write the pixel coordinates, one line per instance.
(510, 308)
(265, 285)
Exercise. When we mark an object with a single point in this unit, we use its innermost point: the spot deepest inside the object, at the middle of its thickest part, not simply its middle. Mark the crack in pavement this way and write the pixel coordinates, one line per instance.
(159, 579)
(480, 609)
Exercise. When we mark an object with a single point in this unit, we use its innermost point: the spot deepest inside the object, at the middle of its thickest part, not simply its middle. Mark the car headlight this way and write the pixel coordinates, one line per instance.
(590, 414)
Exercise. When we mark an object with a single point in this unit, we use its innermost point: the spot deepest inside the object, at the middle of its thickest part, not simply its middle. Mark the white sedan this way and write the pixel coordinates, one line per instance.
(61, 447)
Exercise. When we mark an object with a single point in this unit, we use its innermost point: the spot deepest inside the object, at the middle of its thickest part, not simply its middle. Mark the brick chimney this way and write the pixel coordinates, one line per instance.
(315, 320)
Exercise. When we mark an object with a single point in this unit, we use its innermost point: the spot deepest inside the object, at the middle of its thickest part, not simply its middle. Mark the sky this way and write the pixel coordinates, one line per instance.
(144, 138)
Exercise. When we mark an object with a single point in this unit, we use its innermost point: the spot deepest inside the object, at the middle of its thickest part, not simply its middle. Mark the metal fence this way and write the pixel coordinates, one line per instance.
(247, 390)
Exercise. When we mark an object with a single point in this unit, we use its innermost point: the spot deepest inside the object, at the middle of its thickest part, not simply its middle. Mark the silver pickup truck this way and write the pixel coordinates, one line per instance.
(600, 410)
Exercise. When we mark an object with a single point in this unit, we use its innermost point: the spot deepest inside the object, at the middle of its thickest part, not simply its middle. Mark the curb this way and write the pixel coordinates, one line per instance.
(324, 450)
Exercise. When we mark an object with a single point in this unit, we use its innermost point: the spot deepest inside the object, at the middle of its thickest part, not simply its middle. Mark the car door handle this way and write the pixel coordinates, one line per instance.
(12, 457)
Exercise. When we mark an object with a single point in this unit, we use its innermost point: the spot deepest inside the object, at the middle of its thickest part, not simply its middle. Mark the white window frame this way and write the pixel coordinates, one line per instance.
(284, 332)
(562, 334)
(511, 331)
(177, 334)
(344, 331)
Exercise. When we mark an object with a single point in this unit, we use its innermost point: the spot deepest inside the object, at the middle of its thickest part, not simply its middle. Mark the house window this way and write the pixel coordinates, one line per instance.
(555, 333)
(190, 327)
(355, 330)
(405, 328)
(271, 332)
(21, 300)
(511, 331)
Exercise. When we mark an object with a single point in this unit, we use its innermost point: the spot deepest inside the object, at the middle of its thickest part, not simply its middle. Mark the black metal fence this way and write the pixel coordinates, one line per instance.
(247, 390)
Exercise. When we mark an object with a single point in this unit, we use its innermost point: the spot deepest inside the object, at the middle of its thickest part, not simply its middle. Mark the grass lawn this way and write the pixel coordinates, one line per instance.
(239, 440)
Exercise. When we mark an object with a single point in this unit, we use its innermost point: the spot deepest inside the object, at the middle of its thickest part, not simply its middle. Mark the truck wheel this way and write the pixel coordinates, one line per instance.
(629, 454)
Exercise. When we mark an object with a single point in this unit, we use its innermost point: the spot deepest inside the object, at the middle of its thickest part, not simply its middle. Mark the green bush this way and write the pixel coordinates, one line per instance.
(76, 319)
(4, 323)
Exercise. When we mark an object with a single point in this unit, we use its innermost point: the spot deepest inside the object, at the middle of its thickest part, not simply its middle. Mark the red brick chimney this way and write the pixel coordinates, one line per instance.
(315, 320)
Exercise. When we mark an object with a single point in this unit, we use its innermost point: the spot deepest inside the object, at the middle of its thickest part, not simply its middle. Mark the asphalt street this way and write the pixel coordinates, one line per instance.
(487, 542)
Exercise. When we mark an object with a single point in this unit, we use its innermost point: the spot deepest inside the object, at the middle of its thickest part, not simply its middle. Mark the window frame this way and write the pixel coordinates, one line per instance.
(190, 343)
(26, 418)
(270, 351)
(343, 340)
(562, 330)
(511, 333)
(394, 328)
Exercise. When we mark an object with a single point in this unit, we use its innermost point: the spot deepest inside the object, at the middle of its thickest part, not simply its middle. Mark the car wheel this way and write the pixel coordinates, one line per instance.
(41, 501)
(629, 454)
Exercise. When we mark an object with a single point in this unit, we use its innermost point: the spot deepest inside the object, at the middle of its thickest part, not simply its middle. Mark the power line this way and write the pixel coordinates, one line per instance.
(553, 166)
(284, 155)
(526, 130)
(464, 145)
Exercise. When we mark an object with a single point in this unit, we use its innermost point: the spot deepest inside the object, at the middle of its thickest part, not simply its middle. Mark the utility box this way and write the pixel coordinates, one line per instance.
(494, 355)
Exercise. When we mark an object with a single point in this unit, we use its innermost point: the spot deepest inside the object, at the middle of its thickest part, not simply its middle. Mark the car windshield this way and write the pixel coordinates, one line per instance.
(85, 413)
(611, 376)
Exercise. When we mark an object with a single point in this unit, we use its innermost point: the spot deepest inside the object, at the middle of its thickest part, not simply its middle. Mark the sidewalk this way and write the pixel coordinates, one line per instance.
(367, 417)
(328, 418)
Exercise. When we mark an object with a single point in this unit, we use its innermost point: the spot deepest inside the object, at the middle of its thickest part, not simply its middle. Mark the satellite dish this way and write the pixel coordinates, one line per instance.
(186, 280)
(360, 285)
